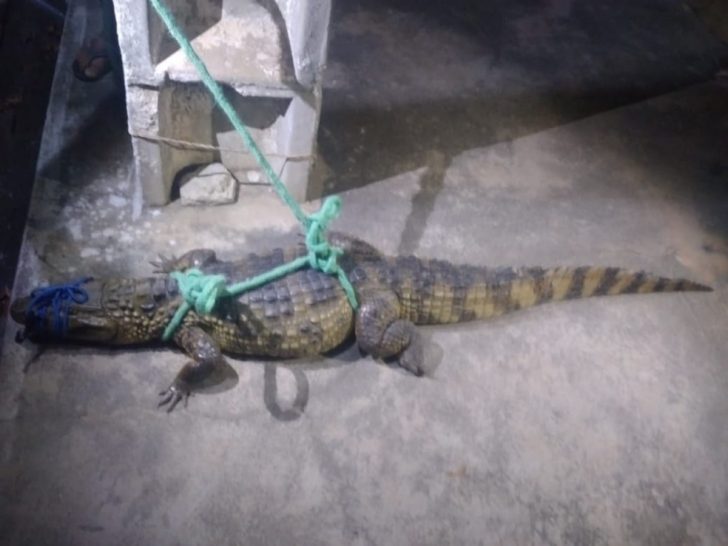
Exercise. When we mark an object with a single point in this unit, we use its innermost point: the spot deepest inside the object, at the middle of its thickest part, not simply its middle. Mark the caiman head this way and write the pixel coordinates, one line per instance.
(80, 312)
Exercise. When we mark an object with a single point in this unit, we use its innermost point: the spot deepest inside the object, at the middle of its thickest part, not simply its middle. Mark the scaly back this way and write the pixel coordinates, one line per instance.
(437, 292)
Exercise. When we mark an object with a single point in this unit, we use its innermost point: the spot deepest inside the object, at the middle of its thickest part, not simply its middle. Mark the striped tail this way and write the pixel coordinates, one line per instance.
(463, 293)
(583, 282)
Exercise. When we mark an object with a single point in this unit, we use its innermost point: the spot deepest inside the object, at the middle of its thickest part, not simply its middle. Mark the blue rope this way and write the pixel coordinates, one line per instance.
(56, 299)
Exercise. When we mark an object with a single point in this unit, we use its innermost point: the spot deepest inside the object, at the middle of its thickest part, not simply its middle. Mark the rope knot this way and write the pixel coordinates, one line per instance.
(321, 255)
(200, 291)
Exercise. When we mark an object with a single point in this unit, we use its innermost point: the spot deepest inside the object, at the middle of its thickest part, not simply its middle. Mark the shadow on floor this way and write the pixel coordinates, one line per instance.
(414, 84)
(682, 155)
(29, 38)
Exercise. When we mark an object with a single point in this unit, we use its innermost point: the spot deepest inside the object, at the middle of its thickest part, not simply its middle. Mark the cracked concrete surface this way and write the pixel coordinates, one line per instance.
(591, 422)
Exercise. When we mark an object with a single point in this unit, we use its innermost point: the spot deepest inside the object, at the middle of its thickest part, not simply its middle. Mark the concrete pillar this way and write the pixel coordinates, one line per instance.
(268, 55)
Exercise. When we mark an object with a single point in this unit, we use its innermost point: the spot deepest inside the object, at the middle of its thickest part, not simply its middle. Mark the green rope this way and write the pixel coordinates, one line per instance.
(200, 291)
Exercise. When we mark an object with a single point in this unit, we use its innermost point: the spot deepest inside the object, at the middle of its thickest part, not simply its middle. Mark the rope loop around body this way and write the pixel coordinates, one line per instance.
(201, 292)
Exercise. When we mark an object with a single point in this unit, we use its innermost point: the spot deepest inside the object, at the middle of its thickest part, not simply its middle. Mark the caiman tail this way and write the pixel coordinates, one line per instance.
(436, 292)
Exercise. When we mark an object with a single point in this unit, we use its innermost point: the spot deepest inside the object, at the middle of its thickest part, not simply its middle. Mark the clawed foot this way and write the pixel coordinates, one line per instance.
(421, 358)
(412, 358)
(412, 362)
(164, 264)
(411, 366)
(172, 396)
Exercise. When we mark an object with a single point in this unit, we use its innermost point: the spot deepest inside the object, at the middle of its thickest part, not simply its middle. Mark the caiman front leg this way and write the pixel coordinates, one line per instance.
(380, 332)
(198, 257)
(205, 354)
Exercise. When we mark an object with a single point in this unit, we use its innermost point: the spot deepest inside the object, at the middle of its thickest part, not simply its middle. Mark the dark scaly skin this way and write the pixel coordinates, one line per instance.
(307, 312)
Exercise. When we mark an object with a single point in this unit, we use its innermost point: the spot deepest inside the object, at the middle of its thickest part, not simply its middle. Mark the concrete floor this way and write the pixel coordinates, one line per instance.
(506, 136)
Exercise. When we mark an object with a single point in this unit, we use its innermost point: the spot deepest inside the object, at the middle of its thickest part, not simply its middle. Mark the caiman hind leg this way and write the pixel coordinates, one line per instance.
(198, 257)
(206, 356)
(381, 333)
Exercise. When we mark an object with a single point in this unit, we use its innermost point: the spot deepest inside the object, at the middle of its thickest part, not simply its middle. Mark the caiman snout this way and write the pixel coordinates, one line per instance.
(70, 311)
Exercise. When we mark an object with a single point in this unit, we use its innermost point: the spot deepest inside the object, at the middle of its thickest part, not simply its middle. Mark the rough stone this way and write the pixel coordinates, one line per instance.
(274, 84)
(213, 185)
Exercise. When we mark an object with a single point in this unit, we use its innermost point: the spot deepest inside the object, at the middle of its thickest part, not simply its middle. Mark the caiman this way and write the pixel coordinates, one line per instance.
(307, 312)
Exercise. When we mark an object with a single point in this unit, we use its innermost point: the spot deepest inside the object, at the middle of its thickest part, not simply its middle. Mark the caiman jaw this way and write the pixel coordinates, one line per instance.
(18, 310)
